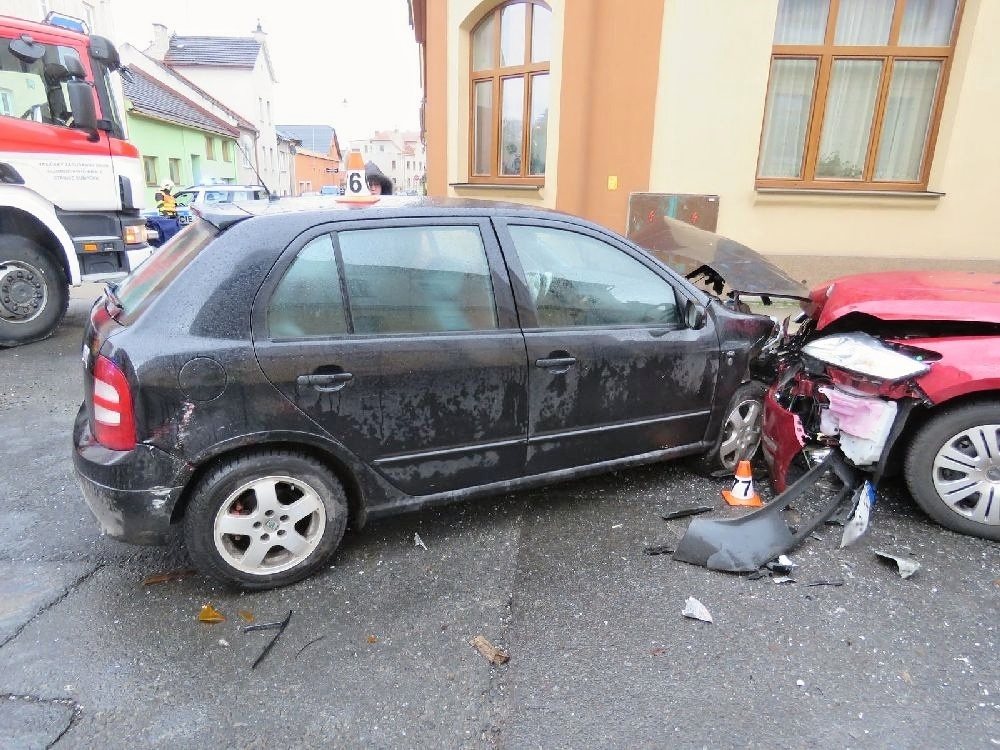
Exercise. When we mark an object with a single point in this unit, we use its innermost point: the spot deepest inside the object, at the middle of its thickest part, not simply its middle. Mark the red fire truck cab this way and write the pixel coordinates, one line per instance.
(71, 185)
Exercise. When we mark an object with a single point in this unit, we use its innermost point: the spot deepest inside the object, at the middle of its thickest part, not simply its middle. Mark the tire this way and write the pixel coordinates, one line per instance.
(953, 469)
(251, 494)
(34, 293)
(739, 436)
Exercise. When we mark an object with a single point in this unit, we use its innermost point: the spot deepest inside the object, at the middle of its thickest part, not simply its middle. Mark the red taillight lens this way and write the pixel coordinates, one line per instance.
(114, 419)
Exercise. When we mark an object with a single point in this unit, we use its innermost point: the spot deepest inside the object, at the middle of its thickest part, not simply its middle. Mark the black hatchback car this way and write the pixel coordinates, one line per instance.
(280, 369)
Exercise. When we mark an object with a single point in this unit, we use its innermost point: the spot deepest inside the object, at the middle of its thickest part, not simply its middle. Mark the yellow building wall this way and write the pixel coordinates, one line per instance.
(710, 106)
(709, 84)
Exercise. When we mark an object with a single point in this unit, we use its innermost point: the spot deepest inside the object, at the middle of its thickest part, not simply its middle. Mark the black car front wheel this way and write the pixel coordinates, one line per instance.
(739, 436)
(953, 469)
(265, 519)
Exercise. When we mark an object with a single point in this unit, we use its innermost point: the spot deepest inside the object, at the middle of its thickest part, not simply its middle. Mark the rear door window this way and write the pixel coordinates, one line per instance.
(414, 279)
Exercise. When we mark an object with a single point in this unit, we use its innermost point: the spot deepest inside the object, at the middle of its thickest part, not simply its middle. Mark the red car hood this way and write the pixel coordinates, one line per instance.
(908, 295)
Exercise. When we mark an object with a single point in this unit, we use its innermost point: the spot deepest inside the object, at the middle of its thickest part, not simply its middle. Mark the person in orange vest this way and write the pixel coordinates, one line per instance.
(166, 204)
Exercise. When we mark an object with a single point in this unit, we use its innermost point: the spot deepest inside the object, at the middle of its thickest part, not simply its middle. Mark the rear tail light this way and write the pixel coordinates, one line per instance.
(114, 418)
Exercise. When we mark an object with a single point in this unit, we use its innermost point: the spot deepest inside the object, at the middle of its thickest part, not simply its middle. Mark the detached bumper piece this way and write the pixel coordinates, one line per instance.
(742, 545)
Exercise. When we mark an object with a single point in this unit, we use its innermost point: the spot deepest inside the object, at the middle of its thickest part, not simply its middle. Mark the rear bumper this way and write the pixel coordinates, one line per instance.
(131, 493)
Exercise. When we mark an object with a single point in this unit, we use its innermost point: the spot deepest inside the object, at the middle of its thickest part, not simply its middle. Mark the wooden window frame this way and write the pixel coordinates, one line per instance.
(824, 55)
(496, 75)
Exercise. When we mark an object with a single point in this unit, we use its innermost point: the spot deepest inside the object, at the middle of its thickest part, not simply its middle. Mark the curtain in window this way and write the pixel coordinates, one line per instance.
(927, 23)
(864, 22)
(847, 123)
(801, 21)
(789, 102)
(907, 120)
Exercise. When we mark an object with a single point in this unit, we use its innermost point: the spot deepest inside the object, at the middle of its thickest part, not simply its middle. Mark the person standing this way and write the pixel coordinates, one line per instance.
(378, 183)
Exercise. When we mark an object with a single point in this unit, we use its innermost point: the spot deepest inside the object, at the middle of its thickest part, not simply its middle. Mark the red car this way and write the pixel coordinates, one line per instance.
(901, 372)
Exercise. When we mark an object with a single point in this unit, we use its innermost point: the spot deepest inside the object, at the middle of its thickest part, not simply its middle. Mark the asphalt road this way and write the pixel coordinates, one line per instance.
(377, 655)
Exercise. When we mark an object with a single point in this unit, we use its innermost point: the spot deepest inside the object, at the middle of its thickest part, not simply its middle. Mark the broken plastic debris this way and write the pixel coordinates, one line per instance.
(741, 545)
(906, 566)
(174, 575)
(782, 579)
(832, 582)
(267, 649)
(224, 642)
(495, 655)
(684, 512)
(696, 610)
(659, 549)
(246, 614)
(781, 564)
(417, 541)
(210, 614)
(857, 524)
(372, 639)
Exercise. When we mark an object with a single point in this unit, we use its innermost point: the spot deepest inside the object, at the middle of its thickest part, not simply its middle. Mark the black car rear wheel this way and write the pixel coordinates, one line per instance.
(739, 436)
(265, 519)
(953, 469)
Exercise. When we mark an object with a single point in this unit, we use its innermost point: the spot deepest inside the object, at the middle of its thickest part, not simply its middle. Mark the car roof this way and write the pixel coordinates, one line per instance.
(338, 208)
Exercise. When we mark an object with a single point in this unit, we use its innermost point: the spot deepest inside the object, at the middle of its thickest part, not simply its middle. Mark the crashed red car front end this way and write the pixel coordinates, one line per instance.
(900, 371)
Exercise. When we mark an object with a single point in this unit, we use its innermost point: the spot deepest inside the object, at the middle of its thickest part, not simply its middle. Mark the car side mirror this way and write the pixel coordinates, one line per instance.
(694, 315)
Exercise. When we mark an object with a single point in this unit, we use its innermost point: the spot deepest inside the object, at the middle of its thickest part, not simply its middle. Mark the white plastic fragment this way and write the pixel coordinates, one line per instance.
(906, 566)
(224, 642)
(857, 524)
(696, 610)
(417, 541)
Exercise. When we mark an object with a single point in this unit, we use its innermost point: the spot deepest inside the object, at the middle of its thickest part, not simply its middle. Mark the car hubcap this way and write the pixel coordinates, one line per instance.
(22, 291)
(269, 525)
(966, 474)
(741, 434)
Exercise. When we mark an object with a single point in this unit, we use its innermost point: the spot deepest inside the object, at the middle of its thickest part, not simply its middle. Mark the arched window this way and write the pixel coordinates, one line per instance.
(509, 63)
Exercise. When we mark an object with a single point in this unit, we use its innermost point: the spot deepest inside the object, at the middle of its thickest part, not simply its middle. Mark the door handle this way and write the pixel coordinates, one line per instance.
(556, 364)
(326, 382)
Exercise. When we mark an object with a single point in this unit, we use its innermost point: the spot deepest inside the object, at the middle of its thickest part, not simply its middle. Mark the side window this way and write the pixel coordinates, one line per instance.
(35, 89)
(577, 280)
(184, 198)
(307, 300)
(418, 279)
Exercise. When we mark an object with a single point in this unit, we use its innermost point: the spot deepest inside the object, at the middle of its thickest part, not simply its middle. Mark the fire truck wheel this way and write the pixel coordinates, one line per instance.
(33, 291)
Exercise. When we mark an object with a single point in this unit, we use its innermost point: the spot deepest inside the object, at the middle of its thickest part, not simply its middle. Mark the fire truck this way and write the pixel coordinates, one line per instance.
(71, 185)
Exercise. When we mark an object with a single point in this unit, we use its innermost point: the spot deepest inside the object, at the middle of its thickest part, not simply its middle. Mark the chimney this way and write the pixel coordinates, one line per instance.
(161, 42)
(259, 34)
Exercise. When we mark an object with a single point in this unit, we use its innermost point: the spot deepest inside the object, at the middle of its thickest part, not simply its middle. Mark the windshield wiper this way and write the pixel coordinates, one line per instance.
(114, 304)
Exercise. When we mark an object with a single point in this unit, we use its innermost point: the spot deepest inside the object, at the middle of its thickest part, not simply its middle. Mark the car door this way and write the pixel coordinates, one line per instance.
(613, 370)
(399, 339)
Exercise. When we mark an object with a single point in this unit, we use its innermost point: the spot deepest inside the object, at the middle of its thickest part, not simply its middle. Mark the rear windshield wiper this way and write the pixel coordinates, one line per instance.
(113, 304)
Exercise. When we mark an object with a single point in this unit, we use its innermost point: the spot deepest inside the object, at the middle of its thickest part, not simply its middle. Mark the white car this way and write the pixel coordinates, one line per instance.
(198, 195)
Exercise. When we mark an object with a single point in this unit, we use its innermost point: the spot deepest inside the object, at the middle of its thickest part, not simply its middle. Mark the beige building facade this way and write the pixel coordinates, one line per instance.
(832, 135)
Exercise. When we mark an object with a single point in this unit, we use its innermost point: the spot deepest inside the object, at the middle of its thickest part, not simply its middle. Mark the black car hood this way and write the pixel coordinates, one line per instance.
(694, 252)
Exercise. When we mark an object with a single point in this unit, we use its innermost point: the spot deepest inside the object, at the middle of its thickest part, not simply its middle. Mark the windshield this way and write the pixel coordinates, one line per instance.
(107, 84)
(143, 284)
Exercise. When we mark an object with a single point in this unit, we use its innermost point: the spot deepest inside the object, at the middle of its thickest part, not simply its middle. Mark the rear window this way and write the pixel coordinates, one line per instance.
(161, 267)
